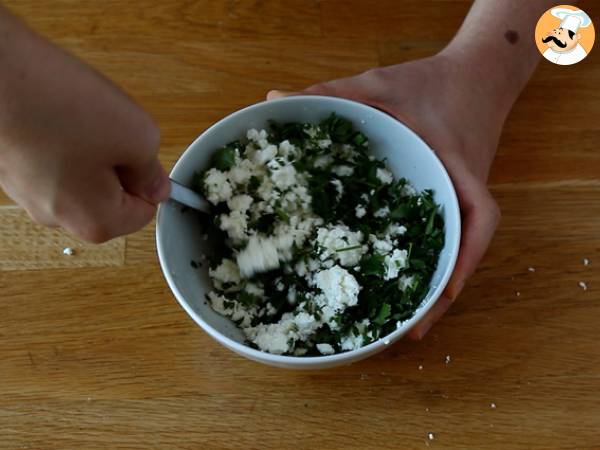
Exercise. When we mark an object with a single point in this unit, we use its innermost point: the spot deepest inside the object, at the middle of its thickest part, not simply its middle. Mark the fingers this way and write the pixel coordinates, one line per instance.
(272, 95)
(146, 180)
(479, 223)
(102, 209)
(138, 167)
(433, 315)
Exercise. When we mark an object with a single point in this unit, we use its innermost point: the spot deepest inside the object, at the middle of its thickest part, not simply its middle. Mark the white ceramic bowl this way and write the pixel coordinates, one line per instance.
(178, 237)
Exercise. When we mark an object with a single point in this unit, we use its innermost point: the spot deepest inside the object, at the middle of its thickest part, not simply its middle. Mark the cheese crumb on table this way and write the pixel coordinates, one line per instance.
(68, 251)
(583, 285)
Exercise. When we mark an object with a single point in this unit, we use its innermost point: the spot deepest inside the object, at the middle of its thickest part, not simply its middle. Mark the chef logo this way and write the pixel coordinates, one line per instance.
(564, 35)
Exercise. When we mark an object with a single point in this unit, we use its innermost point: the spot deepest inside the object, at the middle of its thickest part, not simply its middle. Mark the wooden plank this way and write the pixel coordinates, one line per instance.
(27, 246)
(96, 353)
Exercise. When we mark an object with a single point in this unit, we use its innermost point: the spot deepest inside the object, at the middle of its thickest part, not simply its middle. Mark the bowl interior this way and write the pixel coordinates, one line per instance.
(180, 240)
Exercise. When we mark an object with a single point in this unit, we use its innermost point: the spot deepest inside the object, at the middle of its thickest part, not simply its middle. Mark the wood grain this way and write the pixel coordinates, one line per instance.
(103, 357)
(27, 246)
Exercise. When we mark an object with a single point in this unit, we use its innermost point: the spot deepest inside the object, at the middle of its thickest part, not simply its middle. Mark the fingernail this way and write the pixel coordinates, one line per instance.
(159, 190)
(423, 330)
(455, 288)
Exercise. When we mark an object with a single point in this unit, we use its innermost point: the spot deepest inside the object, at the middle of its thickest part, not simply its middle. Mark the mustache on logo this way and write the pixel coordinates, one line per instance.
(556, 41)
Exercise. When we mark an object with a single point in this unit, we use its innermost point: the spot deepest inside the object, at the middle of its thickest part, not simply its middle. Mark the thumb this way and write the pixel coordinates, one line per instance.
(148, 181)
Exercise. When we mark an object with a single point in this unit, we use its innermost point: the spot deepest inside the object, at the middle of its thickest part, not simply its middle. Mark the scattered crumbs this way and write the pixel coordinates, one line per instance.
(583, 285)
(68, 251)
(430, 436)
(518, 294)
(447, 359)
(89, 399)
(586, 262)
(493, 405)
(364, 376)
(420, 367)
(382, 373)
(531, 269)
(426, 409)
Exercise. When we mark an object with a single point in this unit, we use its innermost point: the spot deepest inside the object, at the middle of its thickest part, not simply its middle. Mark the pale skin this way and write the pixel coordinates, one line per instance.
(457, 101)
(58, 161)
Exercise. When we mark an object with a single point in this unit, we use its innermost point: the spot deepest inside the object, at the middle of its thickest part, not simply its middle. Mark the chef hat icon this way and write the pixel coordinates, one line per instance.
(571, 20)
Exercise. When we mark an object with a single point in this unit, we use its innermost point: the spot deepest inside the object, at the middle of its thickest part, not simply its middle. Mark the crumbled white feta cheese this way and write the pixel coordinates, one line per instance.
(325, 349)
(381, 246)
(583, 285)
(242, 171)
(286, 149)
(272, 338)
(232, 308)
(340, 243)
(384, 175)
(339, 290)
(68, 251)
(284, 177)
(255, 135)
(360, 211)
(291, 295)
(382, 212)
(394, 230)
(265, 155)
(259, 255)
(235, 224)
(339, 188)
(324, 143)
(343, 171)
(394, 262)
(218, 188)
(404, 282)
(586, 262)
(255, 289)
(323, 161)
(226, 273)
(351, 342)
(239, 203)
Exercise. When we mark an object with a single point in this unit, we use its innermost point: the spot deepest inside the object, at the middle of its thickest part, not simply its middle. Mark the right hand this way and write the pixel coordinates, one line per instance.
(75, 151)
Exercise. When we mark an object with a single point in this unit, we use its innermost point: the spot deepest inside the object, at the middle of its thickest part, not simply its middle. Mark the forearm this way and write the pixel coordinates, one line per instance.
(494, 49)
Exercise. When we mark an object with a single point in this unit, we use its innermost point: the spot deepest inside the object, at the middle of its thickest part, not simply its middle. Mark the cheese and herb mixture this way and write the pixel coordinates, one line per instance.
(347, 252)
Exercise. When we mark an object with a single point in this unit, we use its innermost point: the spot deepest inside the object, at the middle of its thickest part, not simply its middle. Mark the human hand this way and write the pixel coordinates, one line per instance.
(75, 151)
(440, 102)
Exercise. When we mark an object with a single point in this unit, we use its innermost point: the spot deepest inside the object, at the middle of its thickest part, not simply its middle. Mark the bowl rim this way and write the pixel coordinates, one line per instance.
(308, 361)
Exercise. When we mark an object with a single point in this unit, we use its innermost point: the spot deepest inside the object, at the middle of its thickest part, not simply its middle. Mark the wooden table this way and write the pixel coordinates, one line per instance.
(96, 353)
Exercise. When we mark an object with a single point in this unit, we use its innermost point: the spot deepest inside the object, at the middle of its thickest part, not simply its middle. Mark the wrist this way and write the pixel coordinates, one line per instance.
(479, 75)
